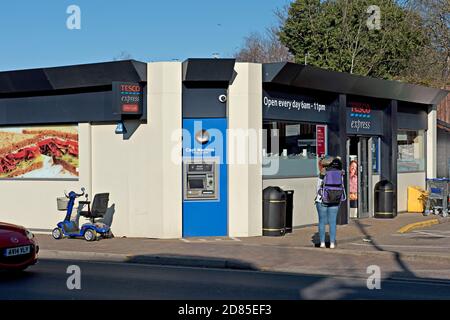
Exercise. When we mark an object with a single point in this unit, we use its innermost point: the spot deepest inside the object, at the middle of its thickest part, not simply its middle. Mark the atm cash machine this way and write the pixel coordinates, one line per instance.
(204, 178)
(200, 180)
(205, 174)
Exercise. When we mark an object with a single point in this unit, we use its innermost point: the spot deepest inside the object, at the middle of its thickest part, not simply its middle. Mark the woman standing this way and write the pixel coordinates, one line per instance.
(330, 193)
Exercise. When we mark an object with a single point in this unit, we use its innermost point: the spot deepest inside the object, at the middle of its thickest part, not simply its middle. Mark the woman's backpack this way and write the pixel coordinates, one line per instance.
(332, 190)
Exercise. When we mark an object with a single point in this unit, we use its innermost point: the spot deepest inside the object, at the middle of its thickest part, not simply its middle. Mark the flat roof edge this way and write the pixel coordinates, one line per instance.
(310, 77)
(72, 77)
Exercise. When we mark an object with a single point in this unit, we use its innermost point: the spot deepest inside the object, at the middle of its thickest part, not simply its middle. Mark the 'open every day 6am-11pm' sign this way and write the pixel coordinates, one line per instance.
(286, 106)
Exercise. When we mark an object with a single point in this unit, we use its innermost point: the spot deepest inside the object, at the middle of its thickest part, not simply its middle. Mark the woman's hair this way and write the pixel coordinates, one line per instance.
(336, 163)
(326, 161)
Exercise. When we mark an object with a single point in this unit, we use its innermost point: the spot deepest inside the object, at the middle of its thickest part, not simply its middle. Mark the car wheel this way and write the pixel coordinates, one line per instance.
(90, 235)
(57, 233)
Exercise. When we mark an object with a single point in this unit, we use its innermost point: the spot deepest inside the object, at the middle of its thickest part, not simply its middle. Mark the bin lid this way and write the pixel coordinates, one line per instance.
(384, 185)
(274, 193)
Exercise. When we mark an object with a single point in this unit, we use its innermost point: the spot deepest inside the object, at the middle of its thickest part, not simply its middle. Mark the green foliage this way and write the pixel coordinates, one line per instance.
(333, 34)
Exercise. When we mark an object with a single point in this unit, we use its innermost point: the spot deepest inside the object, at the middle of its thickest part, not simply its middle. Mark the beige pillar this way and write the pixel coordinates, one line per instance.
(431, 136)
(165, 123)
(142, 172)
(244, 150)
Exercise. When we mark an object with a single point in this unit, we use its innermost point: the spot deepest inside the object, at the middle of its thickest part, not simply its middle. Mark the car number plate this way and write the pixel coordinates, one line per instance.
(17, 251)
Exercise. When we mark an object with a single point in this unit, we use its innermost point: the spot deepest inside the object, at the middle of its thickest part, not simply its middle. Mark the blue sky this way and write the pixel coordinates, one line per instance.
(33, 33)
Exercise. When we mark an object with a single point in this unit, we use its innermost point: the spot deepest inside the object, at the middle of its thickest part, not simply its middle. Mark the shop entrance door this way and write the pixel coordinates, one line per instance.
(360, 176)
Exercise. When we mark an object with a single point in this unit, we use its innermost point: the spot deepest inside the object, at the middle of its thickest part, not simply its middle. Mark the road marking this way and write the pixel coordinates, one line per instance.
(432, 234)
(399, 246)
(415, 233)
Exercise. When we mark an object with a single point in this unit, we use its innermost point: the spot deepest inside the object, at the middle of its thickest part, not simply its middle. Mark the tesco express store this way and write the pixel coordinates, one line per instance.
(186, 148)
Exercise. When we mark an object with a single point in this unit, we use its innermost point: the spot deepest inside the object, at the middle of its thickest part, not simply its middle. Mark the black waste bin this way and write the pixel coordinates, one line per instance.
(384, 200)
(289, 209)
(274, 212)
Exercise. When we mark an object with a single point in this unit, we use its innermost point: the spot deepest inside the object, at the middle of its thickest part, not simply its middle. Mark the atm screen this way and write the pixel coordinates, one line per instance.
(196, 184)
(200, 167)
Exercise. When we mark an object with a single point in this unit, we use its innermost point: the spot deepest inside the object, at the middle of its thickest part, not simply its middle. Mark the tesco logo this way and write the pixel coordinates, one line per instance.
(363, 108)
(130, 88)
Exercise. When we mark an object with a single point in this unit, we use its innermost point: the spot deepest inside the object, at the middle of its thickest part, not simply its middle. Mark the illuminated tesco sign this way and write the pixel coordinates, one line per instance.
(128, 98)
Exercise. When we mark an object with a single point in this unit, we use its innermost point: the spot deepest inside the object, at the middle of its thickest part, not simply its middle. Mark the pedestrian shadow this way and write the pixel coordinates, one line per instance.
(397, 255)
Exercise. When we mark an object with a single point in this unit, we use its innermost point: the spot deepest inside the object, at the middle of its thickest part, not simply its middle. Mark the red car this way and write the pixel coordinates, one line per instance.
(18, 248)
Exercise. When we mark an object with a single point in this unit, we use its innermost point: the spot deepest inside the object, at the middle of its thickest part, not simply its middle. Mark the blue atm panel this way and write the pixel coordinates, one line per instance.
(205, 199)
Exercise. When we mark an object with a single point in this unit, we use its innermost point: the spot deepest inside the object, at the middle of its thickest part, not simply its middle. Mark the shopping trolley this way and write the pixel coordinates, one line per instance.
(437, 200)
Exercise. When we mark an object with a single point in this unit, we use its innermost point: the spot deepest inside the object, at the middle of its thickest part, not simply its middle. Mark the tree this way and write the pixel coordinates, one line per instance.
(334, 34)
(265, 47)
(432, 65)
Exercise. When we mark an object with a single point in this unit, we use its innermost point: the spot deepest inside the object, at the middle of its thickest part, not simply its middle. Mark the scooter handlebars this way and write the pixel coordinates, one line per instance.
(77, 195)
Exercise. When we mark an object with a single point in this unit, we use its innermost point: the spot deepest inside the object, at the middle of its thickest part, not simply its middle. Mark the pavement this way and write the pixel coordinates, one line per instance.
(421, 253)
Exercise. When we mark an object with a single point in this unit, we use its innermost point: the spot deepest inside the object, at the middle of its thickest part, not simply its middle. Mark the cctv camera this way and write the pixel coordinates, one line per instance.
(223, 98)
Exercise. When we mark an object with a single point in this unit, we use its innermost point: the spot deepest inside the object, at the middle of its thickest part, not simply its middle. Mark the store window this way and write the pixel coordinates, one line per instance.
(290, 149)
(411, 151)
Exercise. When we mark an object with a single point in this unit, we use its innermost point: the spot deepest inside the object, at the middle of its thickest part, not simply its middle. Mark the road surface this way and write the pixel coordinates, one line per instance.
(109, 280)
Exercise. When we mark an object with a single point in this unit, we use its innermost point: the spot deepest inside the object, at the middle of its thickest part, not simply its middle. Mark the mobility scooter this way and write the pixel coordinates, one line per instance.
(89, 231)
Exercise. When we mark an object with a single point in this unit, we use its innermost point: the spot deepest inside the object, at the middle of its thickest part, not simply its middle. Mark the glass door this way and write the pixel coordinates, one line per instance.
(364, 177)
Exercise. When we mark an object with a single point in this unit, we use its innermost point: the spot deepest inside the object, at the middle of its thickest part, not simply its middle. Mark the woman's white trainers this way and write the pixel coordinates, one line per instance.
(322, 244)
(332, 245)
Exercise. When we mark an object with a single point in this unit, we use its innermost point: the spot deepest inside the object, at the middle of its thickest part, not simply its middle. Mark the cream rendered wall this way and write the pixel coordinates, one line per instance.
(431, 136)
(32, 203)
(305, 212)
(143, 181)
(244, 150)
(375, 180)
(403, 181)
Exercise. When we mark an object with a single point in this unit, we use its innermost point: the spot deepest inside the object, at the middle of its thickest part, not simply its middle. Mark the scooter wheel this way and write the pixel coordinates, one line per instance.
(57, 233)
(90, 235)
